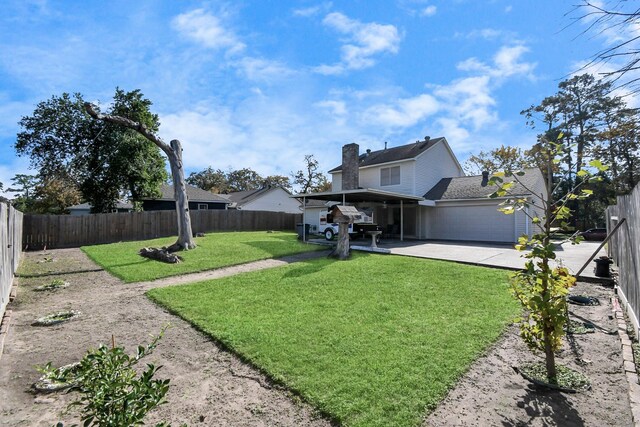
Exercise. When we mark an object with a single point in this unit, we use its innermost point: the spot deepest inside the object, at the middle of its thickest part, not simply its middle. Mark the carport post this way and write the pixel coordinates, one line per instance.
(304, 209)
(401, 221)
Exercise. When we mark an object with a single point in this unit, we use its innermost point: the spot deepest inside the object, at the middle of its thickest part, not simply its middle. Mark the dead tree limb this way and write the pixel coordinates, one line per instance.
(173, 150)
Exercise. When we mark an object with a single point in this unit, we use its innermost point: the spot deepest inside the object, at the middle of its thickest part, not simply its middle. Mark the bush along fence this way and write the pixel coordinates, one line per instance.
(10, 249)
(624, 248)
(66, 231)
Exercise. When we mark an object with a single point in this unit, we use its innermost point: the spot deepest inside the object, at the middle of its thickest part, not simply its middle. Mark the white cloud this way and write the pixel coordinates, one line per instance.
(312, 10)
(483, 33)
(403, 113)
(362, 42)
(337, 108)
(429, 11)
(260, 69)
(469, 100)
(208, 30)
(506, 63)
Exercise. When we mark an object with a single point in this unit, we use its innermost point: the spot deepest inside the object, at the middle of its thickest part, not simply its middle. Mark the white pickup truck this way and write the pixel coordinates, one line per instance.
(330, 228)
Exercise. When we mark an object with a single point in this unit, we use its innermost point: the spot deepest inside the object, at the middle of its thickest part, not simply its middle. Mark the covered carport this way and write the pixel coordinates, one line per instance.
(365, 195)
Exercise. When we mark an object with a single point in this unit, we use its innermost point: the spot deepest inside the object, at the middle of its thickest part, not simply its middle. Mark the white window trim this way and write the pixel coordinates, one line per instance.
(201, 208)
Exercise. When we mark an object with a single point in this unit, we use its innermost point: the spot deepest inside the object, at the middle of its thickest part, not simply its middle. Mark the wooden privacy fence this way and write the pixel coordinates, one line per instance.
(10, 249)
(66, 231)
(624, 248)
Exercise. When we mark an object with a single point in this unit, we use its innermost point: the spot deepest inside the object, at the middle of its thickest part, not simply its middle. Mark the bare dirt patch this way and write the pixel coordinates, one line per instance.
(210, 386)
(493, 394)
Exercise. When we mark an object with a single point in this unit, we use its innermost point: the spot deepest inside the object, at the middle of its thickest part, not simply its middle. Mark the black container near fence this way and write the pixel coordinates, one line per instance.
(602, 266)
(306, 230)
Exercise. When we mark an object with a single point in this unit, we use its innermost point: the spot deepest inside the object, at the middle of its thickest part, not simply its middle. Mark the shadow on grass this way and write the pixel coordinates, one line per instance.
(304, 270)
(550, 405)
(274, 249)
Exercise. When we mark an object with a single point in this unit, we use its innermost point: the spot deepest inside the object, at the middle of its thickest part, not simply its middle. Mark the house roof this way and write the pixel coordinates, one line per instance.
(87, 206)
(393, 154)
(241, 197)
(194, 194)
(360, 195)
(470, 187)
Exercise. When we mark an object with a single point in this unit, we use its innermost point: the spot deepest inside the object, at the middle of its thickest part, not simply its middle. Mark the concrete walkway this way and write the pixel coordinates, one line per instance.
(494, 255)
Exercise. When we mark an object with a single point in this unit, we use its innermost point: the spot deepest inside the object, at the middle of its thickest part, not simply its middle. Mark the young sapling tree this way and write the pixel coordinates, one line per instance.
(541, 287)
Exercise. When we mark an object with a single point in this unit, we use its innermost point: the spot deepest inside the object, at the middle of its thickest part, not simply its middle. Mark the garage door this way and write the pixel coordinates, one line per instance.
(472, 222)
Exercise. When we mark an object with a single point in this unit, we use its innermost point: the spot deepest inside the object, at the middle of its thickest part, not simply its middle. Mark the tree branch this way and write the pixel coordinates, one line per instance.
(138, 127)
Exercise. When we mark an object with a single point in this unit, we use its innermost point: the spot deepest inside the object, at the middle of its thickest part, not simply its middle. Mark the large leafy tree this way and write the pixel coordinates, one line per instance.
(23, 186)
(209, 179)
(310, 179)
(589, 118)
(244, 179)
(54, 195)
(277, 181)
(104, 160)
(220, 182)
(502, 158)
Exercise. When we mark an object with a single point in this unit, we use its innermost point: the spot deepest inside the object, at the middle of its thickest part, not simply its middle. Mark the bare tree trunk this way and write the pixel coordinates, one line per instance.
(174, 154)
(342, 248)
(185, 233)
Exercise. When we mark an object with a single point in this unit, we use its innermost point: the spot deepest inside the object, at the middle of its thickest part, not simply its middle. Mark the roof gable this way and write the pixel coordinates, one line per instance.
(241, 197)
(194, 194)
(470, 187)
(393, 154)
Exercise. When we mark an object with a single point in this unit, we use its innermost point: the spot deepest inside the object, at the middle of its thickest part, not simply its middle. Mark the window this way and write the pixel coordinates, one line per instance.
(203, 206)
(390, 176)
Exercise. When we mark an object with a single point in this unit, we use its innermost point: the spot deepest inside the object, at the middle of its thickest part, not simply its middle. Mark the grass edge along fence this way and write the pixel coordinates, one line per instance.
(624, 248)
(10, 250)
(69, 231)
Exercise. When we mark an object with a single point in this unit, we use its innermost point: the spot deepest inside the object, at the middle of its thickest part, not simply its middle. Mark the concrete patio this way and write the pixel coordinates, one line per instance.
(495, 255)
(486, 254)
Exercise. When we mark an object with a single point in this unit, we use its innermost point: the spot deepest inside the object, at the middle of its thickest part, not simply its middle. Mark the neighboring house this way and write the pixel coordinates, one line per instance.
(419, 191)
(198, 200)
(274, 199)
(85, 208)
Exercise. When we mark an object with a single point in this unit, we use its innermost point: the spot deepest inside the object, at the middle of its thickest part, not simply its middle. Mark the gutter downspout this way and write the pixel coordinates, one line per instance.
(304, 211)
(401, 221)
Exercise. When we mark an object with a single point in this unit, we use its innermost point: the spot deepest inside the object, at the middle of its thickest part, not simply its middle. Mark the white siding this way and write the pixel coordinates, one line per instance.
(370, 177)
(312, 216)
(432, 165)
(275, 200)
(472, 220)
(336, 181)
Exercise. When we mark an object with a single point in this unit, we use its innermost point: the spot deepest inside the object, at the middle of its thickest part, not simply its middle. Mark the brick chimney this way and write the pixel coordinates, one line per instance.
(350, 166)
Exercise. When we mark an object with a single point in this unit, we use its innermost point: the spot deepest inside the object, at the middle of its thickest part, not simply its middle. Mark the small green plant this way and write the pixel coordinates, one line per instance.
(568, 379)
(56, 379)
(55, 318)
(53, 286)
(112, 393)
(541, 288)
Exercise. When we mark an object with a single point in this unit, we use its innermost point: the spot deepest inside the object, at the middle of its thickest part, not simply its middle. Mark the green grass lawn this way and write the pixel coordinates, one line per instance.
(215, 250)
(373, 341)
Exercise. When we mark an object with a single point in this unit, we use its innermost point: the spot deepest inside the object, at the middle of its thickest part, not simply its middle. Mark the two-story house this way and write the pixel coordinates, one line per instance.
(419, 191)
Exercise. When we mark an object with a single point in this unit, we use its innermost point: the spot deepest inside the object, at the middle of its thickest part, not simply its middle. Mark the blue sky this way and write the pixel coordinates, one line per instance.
(261, 83)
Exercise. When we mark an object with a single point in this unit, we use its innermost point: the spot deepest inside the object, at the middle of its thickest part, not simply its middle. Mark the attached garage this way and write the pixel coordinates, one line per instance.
(480, 221)
(460, 208)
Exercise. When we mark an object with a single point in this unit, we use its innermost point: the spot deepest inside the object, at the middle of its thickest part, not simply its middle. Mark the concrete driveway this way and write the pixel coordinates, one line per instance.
(494, 255)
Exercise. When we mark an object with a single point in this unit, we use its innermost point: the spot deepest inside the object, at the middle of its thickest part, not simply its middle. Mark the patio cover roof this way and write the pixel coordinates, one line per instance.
(361, 195)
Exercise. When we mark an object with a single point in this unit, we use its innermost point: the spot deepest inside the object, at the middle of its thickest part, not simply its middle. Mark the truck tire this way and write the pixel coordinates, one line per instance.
(328, 234)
